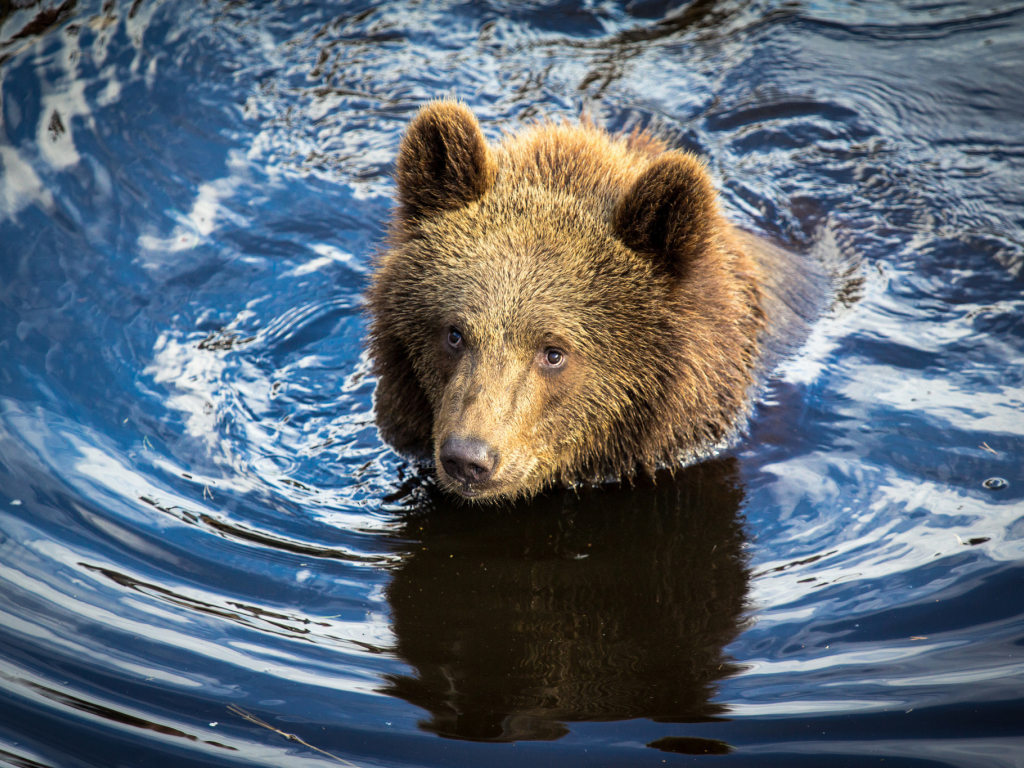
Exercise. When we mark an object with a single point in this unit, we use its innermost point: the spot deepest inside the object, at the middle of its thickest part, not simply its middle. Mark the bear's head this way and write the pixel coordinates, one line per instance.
(555, 307)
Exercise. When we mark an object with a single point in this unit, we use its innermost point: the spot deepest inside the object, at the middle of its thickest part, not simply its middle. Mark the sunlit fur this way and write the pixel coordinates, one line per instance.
(609, 248)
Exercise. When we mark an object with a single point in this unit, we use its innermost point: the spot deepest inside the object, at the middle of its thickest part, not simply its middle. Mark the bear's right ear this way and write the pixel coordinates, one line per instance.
(671, 212)
(444, 161)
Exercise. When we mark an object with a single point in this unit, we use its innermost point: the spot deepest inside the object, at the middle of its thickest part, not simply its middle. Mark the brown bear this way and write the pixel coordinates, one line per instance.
(566, 306)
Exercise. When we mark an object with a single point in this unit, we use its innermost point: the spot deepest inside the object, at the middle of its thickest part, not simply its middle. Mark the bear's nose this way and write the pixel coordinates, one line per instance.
(468, 460)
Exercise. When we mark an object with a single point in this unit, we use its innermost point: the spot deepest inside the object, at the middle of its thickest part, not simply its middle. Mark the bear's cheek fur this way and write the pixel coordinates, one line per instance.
(518, 409)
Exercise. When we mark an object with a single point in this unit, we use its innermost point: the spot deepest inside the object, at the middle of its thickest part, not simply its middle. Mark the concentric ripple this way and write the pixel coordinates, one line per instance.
(208, 557)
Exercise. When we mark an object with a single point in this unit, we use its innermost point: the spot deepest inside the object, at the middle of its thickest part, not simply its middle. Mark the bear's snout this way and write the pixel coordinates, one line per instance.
(468, 460)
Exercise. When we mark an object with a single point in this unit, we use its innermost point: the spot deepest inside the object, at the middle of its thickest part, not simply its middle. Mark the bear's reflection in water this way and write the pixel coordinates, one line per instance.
(606, 604)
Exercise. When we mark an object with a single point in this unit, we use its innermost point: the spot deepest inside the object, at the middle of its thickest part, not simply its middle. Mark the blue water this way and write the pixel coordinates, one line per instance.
(205, 547)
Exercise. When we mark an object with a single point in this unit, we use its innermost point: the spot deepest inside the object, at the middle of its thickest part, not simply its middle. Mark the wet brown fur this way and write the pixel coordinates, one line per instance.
(609, 248)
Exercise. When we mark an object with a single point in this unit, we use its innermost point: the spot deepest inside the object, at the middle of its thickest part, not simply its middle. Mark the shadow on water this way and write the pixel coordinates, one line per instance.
(606, 604)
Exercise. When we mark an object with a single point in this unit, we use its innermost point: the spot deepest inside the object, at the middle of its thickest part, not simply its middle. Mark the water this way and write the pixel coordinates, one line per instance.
(204, 546)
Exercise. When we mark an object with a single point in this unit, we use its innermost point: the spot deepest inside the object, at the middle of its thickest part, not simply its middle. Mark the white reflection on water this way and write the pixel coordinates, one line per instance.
(875, 541)
(67, 588)
(20, 185)
(967, 753)
(208, 212)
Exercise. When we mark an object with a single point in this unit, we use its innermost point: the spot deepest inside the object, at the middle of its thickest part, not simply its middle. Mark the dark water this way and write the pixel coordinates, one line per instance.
(202, 539)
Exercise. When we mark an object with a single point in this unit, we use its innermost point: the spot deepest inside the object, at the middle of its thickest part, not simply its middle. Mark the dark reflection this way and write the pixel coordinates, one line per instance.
(691, 745)
(613, 603)
(44, 20)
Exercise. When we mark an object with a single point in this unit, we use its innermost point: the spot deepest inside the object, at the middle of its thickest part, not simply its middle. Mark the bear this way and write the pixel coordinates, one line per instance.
(567, 306)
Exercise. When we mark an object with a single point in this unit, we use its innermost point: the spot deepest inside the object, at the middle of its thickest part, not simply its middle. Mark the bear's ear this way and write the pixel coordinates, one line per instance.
(444, 161)
(671, 211)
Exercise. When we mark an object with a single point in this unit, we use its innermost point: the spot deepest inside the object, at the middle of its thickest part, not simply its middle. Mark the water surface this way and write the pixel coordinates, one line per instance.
(205, 547)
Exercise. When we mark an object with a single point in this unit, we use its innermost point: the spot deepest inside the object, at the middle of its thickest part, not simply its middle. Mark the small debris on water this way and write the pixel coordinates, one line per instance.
(995, 484)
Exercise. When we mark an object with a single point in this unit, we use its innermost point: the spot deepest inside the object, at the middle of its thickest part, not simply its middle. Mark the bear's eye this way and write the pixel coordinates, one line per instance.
(554, 357)
(454, 338)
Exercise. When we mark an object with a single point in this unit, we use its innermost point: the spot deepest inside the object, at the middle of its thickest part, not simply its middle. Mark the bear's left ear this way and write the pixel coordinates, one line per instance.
(444, 161)
(671, 212)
